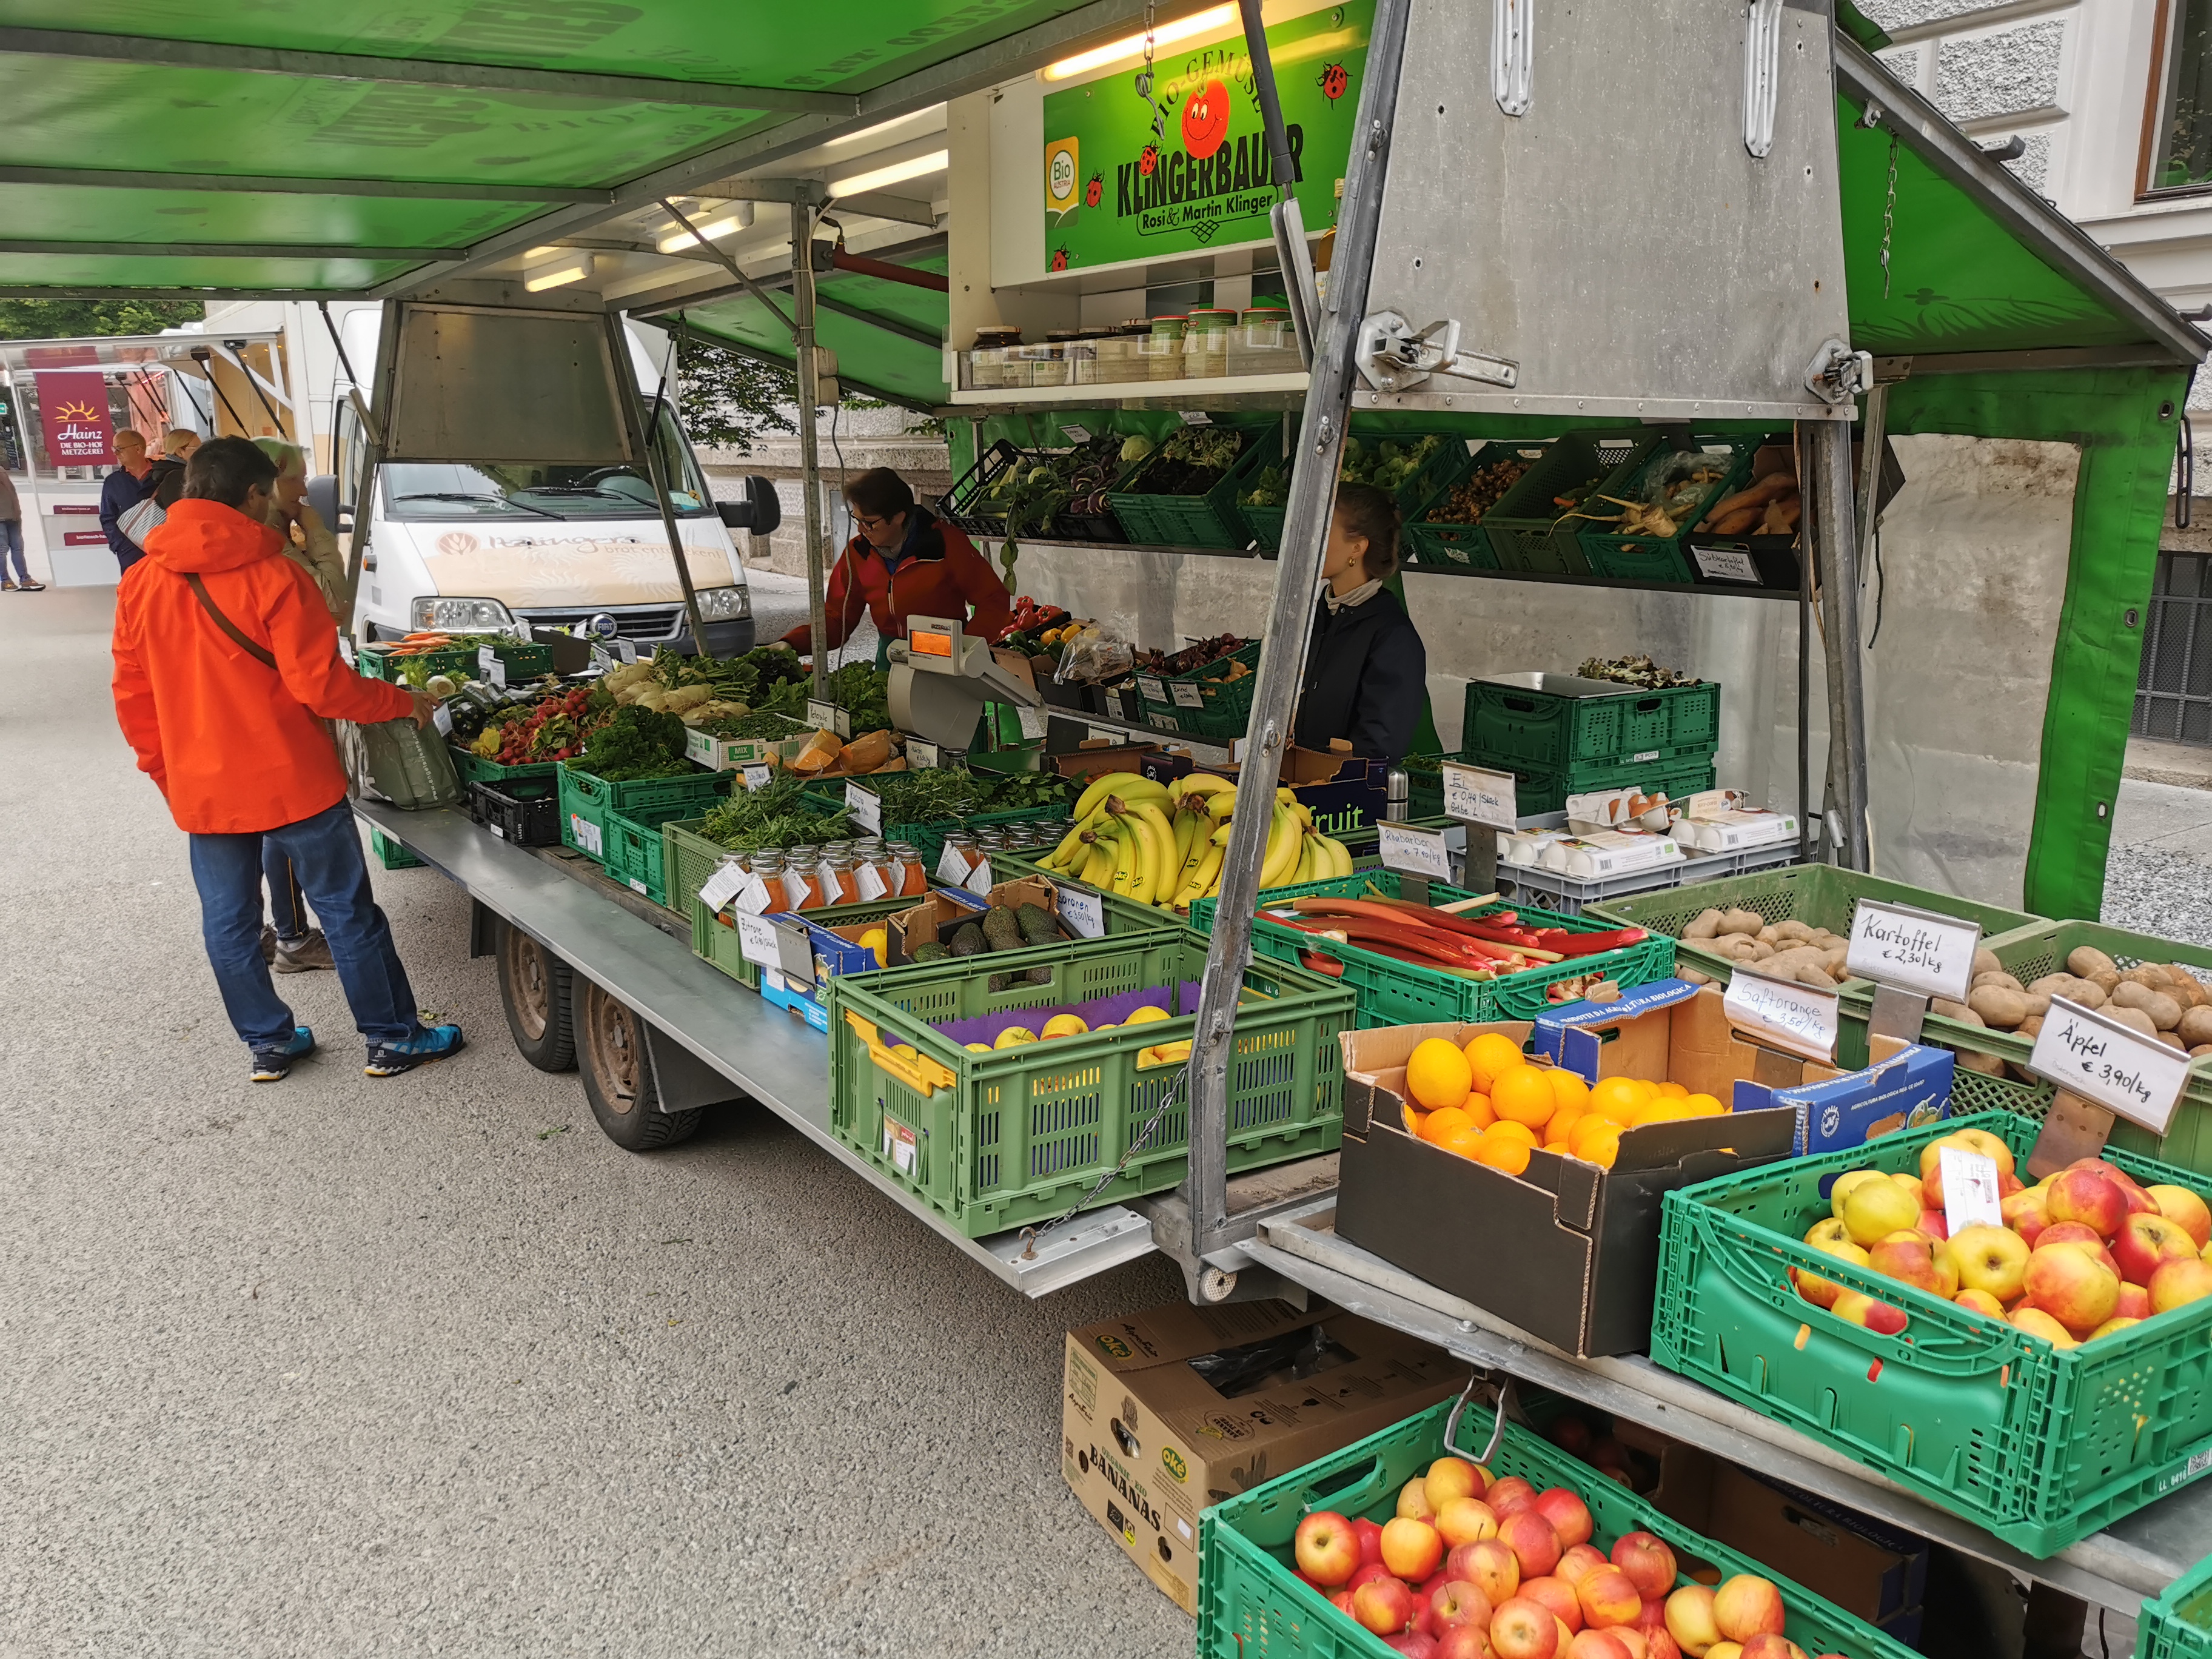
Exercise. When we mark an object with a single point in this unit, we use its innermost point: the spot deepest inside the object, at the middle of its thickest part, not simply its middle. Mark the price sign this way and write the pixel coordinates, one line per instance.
(757, 941)
(1084, 912)
(1913, 950)
(756, 897)
(603, 659)
(1160, 722)
(828, 717)
(1970, 1189)
(1151, 688)
(920, 756)
(1799, 1020)
(1076, 434)
(1726, 564)
(442, 719)
(490, 665)
(1188, 695)
(759, 777)
(1034, 721)
(978, 881)
(871, 884)
(2114, 1066)
(587, 835)
(1195, 417)
(951, 864)
(1475, 796)
(1416, 852)
(637, 886)
(866, 807)
(719, 889)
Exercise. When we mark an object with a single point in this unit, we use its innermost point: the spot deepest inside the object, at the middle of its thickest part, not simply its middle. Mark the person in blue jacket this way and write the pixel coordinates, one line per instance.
(130, 483)
(1366, 678)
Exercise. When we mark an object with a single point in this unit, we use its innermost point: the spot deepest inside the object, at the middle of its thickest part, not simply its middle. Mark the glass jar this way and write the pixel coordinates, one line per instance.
(1083, 356)
(844, 877)
(987, 360)
(1263, 342)
(767, 867)
(913, 873)
(1206, 343)
(1162, 349)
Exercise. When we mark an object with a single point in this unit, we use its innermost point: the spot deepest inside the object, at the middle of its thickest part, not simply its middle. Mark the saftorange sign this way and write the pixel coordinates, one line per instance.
(1129, 176)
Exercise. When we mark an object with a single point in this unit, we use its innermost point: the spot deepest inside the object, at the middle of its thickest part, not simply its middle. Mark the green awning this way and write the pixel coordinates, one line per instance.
(884, 332)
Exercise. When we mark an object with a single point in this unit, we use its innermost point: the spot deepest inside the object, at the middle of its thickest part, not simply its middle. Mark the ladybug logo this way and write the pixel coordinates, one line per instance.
(1059, 258)
(1095, 191)
(1335, 79)
(1205, 120)
(1148, 161)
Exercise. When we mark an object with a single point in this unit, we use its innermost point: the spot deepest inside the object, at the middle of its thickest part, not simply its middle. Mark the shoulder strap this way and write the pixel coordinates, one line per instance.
(259, 654)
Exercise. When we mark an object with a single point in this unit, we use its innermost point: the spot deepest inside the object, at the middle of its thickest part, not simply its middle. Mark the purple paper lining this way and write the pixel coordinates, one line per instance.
(1101, 1011)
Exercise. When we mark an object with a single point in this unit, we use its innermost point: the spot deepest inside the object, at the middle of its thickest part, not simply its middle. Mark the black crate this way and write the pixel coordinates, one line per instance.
(956, 505)
(524, 811)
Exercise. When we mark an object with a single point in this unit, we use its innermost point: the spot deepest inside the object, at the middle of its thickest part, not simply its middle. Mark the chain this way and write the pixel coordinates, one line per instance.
(1145, 83)
(1889, 215)
(1031, 1236)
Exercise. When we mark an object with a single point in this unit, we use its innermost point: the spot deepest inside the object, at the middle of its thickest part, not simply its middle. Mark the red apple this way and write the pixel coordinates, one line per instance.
(2137, 1195)
(2177, 1283)
(1419, 1644)
(1452, 1477)
(1856, 1309)
(2036, 1322)
(1609, 1596)
(1532, 1541)
(1769, 1645)
(1934, 1224)
(1579, 1559)
(2146, 1241)
(1597, 1645)
(2185, 1209)
(1659, 1644)
(2072, 1286)
(1383, 1606)
(2135, 1304)
(1654, 1616)
(1522, 1629)
(2069, 1233)
(2028, 1213)
(1326, 1549)
(1465, 1521)
(1558, 1595)
(1570, 1434)
(1506, 1496)
(1690, 1619)
(1341, 1600)
(1367, 1573)
(2089, 1196)
(1412, 1549)
(1746, 1604)
(1456, 1602)
(1568, 1516)
(1467, 1641)
(1413, 1500)
(1648, 1562)
(1629, 1637)
(1490, 1566)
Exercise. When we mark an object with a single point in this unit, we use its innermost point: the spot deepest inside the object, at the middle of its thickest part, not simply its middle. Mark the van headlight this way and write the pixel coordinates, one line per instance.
(460, 616)
(724, 604)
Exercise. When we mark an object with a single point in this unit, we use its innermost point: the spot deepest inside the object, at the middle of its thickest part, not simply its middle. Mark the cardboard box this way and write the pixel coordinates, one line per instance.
(1146, 1441)
(1868, 1568)
(1907, 1086)
(1565, 1250)
(1343, 791)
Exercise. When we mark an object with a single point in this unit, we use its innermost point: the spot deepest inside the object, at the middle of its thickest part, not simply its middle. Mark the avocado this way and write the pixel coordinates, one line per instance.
(968, 941)
(1038, 926)
(932, 952)
(1002, 931)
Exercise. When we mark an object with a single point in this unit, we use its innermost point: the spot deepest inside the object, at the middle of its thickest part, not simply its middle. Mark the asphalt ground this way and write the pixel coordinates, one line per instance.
(426, 1364)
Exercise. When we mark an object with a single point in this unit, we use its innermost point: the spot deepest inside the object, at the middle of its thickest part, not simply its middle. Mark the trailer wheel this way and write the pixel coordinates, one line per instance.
(618, 1077)
(534, 988)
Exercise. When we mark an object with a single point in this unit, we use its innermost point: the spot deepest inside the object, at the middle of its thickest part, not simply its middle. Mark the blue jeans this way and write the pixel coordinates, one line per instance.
(11, 542)
(287, 905)
(324, 852)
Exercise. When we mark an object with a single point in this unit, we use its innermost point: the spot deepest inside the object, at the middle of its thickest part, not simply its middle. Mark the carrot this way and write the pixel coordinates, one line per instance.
(1773, 484)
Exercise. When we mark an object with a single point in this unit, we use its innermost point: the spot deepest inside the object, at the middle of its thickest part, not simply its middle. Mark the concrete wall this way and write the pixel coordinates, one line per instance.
(867, 438)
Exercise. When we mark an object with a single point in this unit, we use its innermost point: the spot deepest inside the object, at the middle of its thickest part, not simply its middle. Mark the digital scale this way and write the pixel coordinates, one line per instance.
(942, 679)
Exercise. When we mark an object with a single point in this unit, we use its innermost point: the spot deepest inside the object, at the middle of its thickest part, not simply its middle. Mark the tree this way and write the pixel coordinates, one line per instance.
(62, 319)
(725, 399)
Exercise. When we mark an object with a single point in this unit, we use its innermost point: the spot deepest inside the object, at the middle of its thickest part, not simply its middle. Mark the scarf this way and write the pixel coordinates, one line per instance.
(1359, 596)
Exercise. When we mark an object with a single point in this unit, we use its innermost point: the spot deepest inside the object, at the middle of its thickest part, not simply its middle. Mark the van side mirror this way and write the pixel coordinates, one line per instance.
(760, 511)
(323, 496)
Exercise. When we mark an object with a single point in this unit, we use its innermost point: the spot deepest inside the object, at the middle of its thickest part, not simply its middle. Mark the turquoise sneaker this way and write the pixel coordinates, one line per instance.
(430, 1043)
(275, 1065)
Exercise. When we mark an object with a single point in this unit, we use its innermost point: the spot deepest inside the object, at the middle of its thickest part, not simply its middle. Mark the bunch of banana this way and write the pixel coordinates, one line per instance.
(1122, 842)
(1296, 851)
(1163, 844)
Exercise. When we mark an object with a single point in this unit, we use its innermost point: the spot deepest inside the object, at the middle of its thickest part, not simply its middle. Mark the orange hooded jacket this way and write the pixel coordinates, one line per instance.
(235, 746)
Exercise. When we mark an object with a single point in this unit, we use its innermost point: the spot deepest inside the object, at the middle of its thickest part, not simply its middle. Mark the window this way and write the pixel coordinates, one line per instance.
(2178, 147)
(452, 490)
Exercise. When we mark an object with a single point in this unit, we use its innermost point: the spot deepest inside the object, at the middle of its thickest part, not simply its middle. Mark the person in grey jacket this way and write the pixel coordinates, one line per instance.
(11, 541)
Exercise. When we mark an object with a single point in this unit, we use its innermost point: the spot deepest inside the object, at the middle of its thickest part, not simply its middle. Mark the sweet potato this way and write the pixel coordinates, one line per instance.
(1759, 494)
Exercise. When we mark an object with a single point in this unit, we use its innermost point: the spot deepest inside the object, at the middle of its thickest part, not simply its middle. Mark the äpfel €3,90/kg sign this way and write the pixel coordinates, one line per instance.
(1129, 176)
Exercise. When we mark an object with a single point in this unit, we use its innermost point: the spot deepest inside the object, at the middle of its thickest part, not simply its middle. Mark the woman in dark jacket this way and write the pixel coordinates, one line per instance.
(1366, 669)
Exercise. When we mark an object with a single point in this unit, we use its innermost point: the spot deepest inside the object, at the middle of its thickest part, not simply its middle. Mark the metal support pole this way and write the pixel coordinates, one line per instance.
(372, 452)
(810, 453)
(641, 422)
(1834, 541)
(1290, 623)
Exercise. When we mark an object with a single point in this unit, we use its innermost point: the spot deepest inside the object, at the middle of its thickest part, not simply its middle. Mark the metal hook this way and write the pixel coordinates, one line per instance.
(1507, 1401)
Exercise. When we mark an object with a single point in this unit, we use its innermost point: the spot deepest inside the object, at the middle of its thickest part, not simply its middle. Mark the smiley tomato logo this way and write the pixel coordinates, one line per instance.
(1095, 192)
(1149, 160)
(1335, 79)
(1205, 120)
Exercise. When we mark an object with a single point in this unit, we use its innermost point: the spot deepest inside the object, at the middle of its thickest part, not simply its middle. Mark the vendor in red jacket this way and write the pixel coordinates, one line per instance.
(906, 562)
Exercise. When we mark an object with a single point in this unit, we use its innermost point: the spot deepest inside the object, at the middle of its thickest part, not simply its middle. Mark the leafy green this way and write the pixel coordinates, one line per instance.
(859, 688)
(775, 816)
(938, 793)
(636, 743)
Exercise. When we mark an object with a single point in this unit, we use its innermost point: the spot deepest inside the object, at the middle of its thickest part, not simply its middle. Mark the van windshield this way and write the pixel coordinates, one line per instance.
(502, 489)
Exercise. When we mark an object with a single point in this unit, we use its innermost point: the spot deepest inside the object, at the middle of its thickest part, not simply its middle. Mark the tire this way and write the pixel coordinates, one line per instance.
(619, 1077)
(535, 990)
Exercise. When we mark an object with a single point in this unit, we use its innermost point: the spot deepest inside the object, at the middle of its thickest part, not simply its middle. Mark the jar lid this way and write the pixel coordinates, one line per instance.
(998, 334)
(1158, 322)
(1267, 314)
(1212, 314)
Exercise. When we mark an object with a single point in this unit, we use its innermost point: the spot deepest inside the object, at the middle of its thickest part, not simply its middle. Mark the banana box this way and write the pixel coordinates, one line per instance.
(1343, 791)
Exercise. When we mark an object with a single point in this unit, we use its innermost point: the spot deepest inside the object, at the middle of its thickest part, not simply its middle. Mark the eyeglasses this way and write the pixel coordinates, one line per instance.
(867, 523)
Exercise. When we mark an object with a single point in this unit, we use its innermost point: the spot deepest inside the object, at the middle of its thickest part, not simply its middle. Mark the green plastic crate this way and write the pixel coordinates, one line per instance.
(1022, 1133)
(1664, 559)
(1527, 531)
(1448, 461)
(1123, 914)
(637, 851)
(1458, 545)
(1224, 704)
(1208, 521)
(1818, 895)
(829, 795)
(1252, 1603)
(2029, 952)
(472, 769)
(1513, 727)
(1394, 992)
(392, 854)
(521, 661)
(588, 802)
(715, 941)
(1535, 792)
(2038, 1446)
(2178, 1624)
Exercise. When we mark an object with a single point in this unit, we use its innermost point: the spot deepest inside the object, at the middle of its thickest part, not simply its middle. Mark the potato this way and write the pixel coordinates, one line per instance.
(1768, 935)
(2200, 1050)
(2169, 1040)
(1703, 925)
(1742, 921)
(2149, 974)
(2031, 1027)
(1958, 1010)
(2165, 1013)
(1760, 950)
(2000, 977)
(1987, 1065)
(2088, 993)
(1811, 973)
(1691, 975)
(2134, 1018)
(2104, 978)
(2134, 993)
(2038, 1004)
(2196, 1027)
(1793, 929)
(2054, 985)
(2089, 962)
(1999, 1006)
(2188, 990)
(1985, 962)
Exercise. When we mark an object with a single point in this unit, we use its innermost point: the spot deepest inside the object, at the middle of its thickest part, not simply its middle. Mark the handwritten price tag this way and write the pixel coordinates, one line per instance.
(1800, 1020)
(442, 719)
(1084, 912)
(758, 777)
(828, 717)
(1034, 721)
(757, 941)
(1475, 796)
(1969, 1190)
(490, 665)
(587, 835)
(1149, 687)
(1188, 695)
(719, 889)
(867, 808)
(919, 755)
(1416, 852)
(2117, 1067)
(1076, 434)
(1913, 950)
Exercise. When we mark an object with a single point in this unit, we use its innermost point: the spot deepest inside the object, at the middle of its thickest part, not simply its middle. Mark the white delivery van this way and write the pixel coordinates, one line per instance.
(479, 545)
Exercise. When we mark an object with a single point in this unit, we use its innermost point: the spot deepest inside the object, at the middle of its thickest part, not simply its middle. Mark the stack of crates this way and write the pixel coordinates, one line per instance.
(1558, 737)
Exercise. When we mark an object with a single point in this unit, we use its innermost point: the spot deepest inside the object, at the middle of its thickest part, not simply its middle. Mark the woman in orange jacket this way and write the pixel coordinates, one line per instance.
(906, 562)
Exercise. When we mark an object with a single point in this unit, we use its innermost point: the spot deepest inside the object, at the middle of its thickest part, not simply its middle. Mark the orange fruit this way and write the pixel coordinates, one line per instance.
(1568, 1089)
(1665, 1110)
(1523, 1095)
(1702, 1106)
(1589, 1127)
(1437, 1074)
(1676, 1090)
(1489, 1054)
(1511, 1131)
(1466, 1142)
(1563, 1122)
(1602, 1144)
(1441, 1122)
(1477, 1107)
(1616, 1098)
(1502, 1153)
(1413, 1119)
